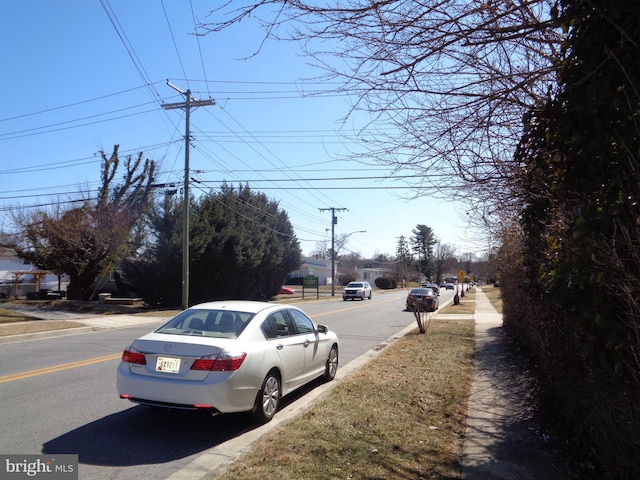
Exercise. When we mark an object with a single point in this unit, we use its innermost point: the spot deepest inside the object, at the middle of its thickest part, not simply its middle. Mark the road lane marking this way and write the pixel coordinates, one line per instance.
(57, 368)
(346, 309)
(83, 363)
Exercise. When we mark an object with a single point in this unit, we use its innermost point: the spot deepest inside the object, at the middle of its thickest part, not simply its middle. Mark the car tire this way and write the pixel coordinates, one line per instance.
(332, 364)
(369, 296)
(268, 398)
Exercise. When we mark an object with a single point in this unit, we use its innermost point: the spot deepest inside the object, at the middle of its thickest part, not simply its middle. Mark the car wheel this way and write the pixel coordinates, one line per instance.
(369, 295)
(268, 398)
(332, 364)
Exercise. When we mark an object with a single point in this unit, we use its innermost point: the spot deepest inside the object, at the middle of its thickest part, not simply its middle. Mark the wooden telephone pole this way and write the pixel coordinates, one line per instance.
(187, 105)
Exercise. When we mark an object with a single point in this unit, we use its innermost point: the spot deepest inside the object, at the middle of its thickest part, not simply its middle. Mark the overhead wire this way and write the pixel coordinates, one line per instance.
(173, 39)
(195, 29)
(241, 134)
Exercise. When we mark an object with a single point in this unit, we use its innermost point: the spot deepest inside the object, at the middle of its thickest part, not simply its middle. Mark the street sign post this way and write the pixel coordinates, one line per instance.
(310, 281)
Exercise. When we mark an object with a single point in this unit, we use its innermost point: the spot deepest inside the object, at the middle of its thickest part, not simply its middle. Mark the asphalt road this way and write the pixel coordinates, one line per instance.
(58, 395)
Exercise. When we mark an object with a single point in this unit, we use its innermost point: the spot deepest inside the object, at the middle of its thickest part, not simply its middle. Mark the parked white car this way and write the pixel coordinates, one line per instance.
(355, 290)
(229, 356)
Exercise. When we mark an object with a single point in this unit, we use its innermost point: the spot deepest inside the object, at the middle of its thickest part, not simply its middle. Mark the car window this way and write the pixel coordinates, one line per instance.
(207, 323)
(301, 321)
(276, 325)
(421, 291)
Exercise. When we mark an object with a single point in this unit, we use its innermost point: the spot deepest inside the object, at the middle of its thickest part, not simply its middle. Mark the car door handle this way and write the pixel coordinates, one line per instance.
(279, 346)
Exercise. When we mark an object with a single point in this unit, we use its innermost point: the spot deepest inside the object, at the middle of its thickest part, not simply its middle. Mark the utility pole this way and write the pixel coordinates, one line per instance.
(401, 245)
(187, 105)
(334, 221)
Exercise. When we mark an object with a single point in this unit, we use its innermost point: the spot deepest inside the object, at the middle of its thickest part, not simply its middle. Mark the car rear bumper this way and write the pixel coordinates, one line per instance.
(218, 393)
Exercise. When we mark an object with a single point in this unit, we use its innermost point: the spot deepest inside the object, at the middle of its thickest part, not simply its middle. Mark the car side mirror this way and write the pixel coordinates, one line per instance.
(323, 329)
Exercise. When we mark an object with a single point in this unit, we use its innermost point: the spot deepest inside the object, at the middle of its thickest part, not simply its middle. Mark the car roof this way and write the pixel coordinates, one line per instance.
(248, 306)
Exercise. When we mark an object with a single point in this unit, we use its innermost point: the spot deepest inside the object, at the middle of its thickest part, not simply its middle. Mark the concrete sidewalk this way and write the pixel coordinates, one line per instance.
(91, 322)
(502, 439)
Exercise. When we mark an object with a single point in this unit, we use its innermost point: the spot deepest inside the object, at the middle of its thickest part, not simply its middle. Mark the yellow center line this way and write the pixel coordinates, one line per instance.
(91, 361)
(346, 309)
(57, 368)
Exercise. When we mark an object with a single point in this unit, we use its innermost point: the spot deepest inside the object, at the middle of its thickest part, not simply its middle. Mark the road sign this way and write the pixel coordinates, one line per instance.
(461, 275)
(310, 281)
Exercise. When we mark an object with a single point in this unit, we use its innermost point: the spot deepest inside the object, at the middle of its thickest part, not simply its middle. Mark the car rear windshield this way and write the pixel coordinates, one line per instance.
(421, 291)
(207, 323)
(355, 285)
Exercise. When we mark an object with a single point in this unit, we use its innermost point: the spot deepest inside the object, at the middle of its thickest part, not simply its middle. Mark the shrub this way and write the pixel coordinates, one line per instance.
(385, 283)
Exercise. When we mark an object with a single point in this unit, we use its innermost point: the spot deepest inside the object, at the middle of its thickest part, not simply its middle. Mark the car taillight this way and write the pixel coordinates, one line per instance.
(224, 363)
(133, 357)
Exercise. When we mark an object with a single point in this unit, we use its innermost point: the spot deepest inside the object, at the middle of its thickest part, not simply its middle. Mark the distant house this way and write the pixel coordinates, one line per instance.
(370, 274)
(316, 266)
(19, 279)
(321, 268)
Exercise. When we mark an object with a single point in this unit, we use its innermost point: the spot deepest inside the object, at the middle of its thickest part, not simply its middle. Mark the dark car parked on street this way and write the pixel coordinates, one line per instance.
(422, 299)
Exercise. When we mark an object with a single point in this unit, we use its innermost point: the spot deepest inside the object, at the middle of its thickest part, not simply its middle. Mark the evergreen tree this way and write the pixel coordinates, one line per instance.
(581, 187)
(242, 246)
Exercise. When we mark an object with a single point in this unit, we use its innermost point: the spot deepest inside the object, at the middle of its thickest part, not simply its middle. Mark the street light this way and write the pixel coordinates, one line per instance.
(333, 258)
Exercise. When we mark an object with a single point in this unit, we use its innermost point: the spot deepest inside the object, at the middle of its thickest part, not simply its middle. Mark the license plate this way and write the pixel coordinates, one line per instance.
(168, 365)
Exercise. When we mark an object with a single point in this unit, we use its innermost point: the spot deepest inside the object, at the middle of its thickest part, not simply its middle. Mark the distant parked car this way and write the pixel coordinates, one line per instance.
(422, 299)
(449, 286)
(227, 356)
(433, 286)
(286, 291)
(355, 290)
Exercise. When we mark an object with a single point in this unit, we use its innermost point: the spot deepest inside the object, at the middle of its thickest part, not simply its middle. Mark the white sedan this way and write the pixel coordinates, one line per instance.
(229, 356)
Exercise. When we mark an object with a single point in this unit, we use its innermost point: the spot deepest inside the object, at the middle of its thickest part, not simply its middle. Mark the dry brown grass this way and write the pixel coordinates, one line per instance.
(467, 305)
(7, 329)
(403, 416)
(10, 316)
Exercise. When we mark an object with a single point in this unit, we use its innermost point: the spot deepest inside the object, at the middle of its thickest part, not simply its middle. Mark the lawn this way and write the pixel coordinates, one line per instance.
(402, 416)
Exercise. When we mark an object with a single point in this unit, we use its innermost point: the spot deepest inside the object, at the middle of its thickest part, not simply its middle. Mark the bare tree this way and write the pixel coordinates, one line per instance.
(443, 84)
(444, 254)
(85, 241)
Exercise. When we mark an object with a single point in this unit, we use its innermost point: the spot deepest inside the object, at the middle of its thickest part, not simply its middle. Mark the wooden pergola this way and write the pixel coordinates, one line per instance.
(37, 274)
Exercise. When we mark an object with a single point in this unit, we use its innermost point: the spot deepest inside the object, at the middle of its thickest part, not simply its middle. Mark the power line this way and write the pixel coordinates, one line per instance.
(173, 39)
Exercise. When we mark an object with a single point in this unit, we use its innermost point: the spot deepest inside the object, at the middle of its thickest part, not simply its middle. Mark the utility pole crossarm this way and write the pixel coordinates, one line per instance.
(192, 103)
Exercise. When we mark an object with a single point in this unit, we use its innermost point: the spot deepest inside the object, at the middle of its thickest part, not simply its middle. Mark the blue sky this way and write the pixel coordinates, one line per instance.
(80, 76)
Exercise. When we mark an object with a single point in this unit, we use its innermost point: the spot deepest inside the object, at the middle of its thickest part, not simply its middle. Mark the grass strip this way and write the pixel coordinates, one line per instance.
(401, 416)
(467, 305)
(8, 329)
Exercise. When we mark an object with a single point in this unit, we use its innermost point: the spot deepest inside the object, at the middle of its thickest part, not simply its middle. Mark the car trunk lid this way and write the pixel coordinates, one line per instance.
(174, 355)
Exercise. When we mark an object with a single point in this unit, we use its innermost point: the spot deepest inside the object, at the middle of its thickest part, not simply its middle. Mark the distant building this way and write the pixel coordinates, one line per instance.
(370, 274)
(19, 279)
(321, 268)
(318, 267)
